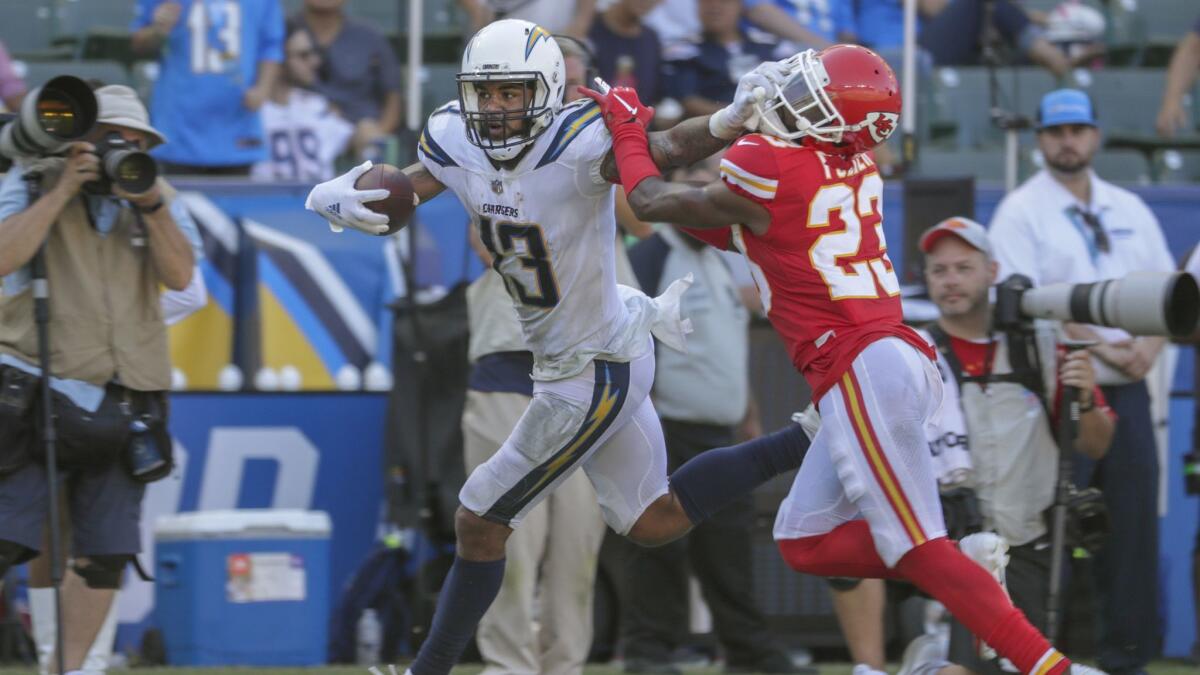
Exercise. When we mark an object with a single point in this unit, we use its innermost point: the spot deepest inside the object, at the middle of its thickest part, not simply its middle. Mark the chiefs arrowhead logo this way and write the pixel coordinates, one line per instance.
(881, 125)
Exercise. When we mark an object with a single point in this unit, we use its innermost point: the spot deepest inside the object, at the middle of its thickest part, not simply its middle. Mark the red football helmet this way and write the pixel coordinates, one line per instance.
(845, 99)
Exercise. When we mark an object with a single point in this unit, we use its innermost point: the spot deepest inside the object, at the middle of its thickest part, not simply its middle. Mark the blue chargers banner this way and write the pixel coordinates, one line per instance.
(318, 451)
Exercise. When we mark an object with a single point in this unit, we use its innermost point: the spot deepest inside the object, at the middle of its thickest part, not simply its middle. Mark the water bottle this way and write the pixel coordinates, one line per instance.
(370, 638)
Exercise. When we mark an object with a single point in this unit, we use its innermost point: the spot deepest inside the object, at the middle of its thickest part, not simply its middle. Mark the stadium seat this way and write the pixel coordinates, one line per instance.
(76, 17)
(962, 100)
(1127, 99)
(38, 72)
(26, 27)
(1122, 166)
(985, 165)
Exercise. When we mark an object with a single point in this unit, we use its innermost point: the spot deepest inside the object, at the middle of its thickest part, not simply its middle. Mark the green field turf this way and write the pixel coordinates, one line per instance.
(1156, 668)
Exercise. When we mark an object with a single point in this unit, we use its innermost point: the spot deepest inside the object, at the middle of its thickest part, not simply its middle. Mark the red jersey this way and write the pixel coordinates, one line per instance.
(821, 268)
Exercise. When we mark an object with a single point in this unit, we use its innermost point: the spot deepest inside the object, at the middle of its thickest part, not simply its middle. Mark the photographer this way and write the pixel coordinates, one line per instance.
(998, 408)
(1066, 225)
(106, 253)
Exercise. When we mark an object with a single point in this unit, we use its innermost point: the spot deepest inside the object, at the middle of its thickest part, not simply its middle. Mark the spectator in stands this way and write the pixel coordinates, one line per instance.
(628, 53)
(304, 133)
(953, 31)
(707, 79)
(704, 401)
(570, 17)
(677, 23)
(1181, 75)
(1065, 224)
(803, 24)
(12, 87)
(218, 65)
(359, 72)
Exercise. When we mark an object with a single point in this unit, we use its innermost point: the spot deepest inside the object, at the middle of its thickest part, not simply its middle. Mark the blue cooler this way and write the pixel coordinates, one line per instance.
(245, 587)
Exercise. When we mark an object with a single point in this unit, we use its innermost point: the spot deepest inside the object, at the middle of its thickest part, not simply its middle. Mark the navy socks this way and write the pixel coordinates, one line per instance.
(714, 478)
(468, 591)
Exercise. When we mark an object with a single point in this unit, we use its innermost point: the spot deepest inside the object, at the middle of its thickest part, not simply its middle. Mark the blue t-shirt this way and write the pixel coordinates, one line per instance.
(880, 23)
(209, 61)
(827, 18)
(714, 71)
(629, 62)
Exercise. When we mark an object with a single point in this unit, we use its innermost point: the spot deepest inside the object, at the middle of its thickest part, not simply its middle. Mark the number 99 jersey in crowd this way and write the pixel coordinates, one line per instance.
(822, 267)
(550, 226)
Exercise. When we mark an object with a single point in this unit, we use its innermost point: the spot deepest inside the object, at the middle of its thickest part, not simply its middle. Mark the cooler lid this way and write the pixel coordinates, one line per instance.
(243, 524)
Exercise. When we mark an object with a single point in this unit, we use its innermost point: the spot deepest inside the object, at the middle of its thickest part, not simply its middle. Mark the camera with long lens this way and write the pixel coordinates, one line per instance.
(122, 164)
(1142, 303)
(51, 117)
(60, 112)
(1088, 525)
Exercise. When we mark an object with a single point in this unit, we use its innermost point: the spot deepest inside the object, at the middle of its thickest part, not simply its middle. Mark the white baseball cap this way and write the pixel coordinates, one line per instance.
(120, 106)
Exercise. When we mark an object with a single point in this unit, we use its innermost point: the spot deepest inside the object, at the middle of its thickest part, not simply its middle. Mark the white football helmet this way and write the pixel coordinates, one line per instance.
(519, 52)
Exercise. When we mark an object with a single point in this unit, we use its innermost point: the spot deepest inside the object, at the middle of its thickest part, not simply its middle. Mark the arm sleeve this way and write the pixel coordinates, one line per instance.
(13, 197)
(185, 223)
(143, 13)
(178, 305)
(271, 33)
(750, 170)
(1012, 242)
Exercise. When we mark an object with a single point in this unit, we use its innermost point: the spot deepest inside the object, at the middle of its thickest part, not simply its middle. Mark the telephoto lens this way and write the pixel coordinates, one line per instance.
(124, 165)
(55, 114)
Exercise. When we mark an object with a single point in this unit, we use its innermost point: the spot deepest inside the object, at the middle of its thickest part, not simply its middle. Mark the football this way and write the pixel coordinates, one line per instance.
(401, 201)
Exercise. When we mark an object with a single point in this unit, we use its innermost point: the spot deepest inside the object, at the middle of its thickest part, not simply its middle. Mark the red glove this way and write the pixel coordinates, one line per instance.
(620, 106)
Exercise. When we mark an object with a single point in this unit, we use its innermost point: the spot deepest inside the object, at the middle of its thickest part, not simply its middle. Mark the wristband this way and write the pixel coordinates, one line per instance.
(718, 127)
(631, 148)
(1087, 408)
(147, 210)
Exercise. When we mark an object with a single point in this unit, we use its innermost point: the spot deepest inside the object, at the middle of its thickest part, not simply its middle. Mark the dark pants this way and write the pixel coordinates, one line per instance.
(954, 36)
(1028, 581)
(719, 551)
(1127, 568)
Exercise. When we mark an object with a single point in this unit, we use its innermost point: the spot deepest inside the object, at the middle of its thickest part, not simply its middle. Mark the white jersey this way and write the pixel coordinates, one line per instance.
(304, 137)
(550, 225)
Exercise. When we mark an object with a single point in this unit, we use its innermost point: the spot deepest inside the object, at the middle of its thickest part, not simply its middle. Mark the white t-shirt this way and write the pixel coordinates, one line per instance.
(303, 138)
(1038, 231)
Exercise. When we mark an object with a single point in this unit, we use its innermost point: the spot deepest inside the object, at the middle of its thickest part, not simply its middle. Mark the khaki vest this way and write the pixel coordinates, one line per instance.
(105, 318)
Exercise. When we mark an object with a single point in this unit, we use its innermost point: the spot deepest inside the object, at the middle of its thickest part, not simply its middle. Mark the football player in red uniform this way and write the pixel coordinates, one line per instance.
(802, 201)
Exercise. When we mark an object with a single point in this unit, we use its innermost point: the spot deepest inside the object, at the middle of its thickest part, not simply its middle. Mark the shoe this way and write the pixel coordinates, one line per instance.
(1080, 669)
(772, 662)
(864, 669)
(924, 656)
(990, 551)
(639, 665)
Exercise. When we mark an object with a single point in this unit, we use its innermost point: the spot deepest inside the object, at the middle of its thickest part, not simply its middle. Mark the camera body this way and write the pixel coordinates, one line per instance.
(65, 110)
(1088, 525)
(124, 164)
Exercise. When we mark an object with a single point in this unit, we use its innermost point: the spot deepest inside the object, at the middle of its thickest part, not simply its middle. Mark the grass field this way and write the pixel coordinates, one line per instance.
(1156, 668)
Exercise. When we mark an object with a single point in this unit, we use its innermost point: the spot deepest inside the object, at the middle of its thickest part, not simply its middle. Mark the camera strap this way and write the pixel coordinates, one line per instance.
(1025, 370)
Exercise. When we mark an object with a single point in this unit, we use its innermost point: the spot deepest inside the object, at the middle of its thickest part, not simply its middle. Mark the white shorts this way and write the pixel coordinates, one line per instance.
(601, 419)
(871, 458)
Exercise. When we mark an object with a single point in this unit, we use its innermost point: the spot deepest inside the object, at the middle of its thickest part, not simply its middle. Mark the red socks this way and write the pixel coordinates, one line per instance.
(941, 570)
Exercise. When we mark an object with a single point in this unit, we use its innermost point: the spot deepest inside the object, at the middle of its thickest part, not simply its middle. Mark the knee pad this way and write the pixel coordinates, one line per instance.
(102, 571)
(12, 553)
(843, 583)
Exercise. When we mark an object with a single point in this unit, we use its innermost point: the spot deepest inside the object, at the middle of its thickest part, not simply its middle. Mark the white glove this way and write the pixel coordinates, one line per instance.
(339, 202)
(753, 88)
(809, 420)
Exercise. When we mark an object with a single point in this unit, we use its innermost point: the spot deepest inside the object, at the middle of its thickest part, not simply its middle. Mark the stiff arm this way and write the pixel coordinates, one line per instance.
(710, 206)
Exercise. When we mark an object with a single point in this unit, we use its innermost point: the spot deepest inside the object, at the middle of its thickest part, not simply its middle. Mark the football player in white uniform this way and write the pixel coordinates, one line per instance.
(537, 178)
